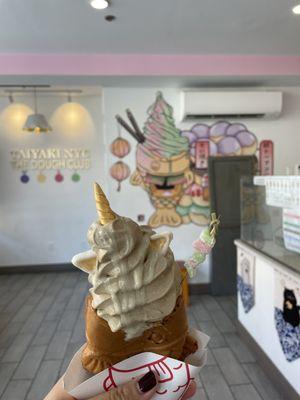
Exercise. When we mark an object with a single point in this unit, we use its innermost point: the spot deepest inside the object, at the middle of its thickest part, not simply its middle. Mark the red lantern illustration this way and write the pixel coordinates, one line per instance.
(120, 147)
(119, 171)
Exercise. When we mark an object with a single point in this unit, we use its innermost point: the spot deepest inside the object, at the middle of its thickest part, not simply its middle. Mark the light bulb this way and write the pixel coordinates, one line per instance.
(296, 9)
(99, 4)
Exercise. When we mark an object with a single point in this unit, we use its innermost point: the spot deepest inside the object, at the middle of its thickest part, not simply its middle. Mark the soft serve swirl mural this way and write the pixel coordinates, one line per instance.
(171, 164)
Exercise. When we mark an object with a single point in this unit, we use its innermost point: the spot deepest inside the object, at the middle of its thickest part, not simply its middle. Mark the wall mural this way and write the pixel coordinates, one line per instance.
(246, 279)
(287, 313)
(172, 164)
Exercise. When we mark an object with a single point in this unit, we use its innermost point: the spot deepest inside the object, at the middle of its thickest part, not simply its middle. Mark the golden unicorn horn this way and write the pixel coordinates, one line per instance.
(105, 213)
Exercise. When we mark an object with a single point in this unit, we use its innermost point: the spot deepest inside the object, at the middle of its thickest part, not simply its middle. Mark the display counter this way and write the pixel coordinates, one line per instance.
(269, 283)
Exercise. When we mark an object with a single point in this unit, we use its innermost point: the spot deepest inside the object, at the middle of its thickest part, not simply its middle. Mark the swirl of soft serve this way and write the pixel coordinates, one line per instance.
(135, 281)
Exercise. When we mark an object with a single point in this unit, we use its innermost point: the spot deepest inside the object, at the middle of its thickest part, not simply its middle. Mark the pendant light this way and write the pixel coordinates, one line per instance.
(36, 122)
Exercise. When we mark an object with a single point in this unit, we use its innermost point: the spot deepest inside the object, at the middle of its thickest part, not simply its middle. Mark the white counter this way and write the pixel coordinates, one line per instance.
(259, 321)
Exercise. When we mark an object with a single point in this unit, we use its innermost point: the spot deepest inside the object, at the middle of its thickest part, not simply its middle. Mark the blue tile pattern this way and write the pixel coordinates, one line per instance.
(288, 335)
(247, 294)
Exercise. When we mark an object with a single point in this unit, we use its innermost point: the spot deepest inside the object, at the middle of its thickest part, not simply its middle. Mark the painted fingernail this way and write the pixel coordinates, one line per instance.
(147, 382)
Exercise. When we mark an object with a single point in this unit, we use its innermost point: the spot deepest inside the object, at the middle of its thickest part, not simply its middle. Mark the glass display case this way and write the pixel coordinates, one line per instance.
(272, 230)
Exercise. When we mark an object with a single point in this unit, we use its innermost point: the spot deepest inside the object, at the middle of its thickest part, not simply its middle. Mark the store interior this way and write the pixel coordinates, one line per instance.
(187, 116)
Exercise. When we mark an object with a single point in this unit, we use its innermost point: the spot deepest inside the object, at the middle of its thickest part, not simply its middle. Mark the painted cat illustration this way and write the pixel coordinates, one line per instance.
(291, 310)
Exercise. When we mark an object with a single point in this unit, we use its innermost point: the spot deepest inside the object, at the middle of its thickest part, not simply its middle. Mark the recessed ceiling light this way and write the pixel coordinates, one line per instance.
(296, 9)
(99, 4)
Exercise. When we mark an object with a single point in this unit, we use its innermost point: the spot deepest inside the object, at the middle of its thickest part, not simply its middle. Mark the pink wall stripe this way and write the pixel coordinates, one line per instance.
(148, 65)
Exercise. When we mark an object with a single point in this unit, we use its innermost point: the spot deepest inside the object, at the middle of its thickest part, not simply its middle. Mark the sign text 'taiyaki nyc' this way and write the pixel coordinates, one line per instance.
(50, 158)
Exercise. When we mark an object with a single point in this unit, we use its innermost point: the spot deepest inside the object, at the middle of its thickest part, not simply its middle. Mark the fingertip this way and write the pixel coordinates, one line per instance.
(147, 383)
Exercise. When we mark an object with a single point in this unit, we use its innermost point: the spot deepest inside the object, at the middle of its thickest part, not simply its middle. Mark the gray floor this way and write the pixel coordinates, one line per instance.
(41, 326)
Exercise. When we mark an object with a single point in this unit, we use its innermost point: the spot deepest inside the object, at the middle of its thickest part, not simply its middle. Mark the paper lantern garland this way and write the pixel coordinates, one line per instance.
(75, 177)
(24, 177)
(120, 147)
(120, 171)
(59, 177)
(41, 178)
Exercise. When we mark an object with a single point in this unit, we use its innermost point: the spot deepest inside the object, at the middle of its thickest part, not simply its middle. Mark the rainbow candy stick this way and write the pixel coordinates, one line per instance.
(203, 246)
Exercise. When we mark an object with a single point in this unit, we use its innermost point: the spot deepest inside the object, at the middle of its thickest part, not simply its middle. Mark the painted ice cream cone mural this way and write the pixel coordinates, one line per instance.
(162, 161)
(172, 164)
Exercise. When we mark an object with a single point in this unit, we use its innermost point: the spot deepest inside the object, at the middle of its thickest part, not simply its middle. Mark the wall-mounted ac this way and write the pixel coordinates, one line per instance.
(230, 104)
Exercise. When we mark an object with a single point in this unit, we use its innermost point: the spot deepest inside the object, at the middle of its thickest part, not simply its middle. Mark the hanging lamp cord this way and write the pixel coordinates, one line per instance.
(35, 101)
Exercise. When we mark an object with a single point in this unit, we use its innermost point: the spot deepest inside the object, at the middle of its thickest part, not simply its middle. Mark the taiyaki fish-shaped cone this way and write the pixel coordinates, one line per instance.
(105, 348)
(135, 303)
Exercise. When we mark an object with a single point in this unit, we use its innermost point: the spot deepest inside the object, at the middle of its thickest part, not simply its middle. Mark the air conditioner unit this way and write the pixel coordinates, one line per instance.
(230, 104)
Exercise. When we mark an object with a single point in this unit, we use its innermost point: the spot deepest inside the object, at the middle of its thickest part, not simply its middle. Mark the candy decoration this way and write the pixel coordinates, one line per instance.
(202, 154)
(203, 246)
(59, 177)
(41, 178)
(24, 177)
(119, 171)
(194, 190)
(266, 157)
(75, 177)
(120, 147)
(205, 180)
(205, 186)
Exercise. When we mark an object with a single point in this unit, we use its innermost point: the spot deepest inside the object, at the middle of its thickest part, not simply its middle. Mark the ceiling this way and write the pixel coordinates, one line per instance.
(88, 82)
(150, 26)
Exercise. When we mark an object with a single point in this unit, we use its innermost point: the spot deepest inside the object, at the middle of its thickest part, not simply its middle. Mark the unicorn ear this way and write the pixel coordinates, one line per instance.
(85, 261)
(161, 241)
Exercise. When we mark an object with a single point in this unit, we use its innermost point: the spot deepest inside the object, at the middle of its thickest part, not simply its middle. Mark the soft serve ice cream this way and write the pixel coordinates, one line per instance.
(135, 303)
(134, 284)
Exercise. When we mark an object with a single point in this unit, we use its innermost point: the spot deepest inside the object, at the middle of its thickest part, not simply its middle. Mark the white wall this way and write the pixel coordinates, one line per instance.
(132, 200)
(47, 223)
(259, 322)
